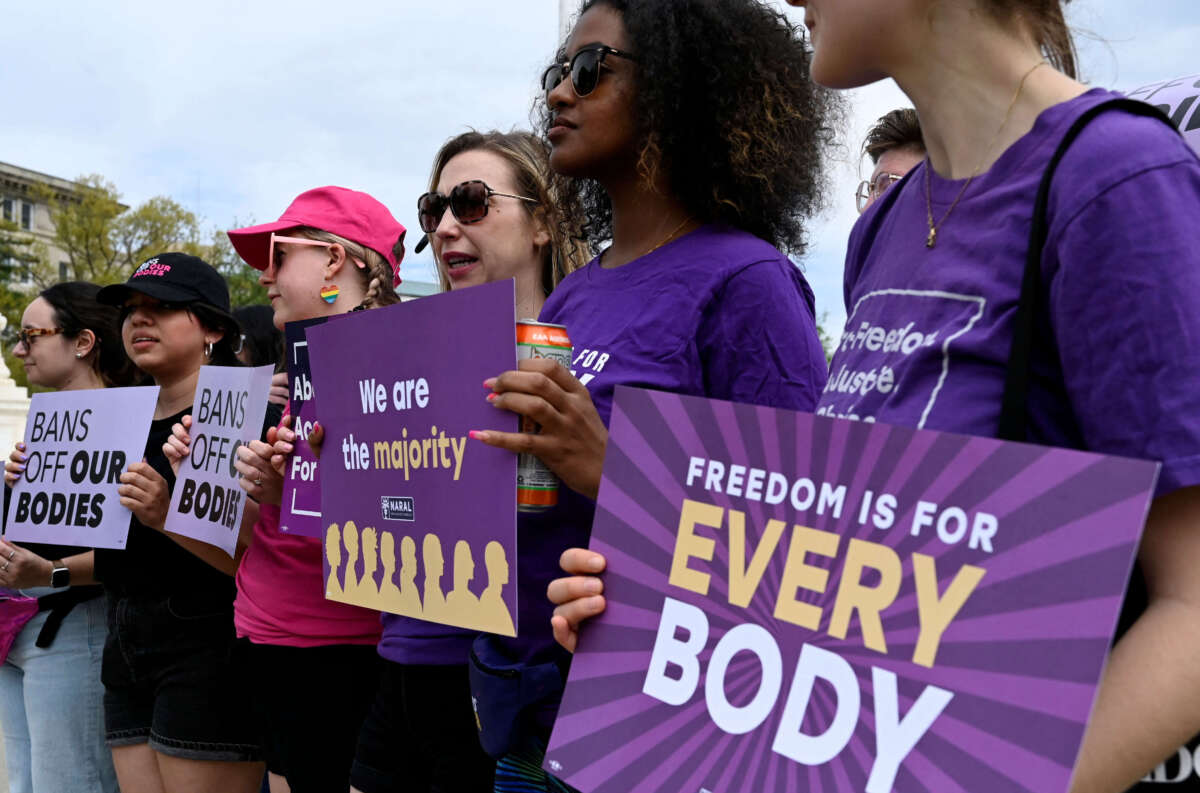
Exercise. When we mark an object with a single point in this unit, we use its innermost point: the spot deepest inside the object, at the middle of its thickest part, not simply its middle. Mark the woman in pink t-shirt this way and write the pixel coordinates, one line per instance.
(332, 251)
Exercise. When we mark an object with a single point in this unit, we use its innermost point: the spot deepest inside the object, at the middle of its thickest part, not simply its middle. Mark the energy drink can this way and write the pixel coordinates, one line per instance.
(537, 486)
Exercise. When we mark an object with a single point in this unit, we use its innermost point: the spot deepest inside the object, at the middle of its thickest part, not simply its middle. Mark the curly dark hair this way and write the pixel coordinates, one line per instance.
(725, 107)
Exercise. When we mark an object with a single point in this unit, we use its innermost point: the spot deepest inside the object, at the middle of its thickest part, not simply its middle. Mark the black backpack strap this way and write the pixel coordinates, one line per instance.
(1014, 417)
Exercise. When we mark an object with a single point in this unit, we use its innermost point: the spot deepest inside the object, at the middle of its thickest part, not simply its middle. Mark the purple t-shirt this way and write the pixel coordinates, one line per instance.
(717, 313)
(928, 331)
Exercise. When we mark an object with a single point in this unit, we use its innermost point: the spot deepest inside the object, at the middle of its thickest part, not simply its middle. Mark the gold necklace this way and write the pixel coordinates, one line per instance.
(687, 219)
(931, 240)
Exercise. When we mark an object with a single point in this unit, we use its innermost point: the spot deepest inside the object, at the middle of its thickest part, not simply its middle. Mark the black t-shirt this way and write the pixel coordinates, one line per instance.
(152, 564)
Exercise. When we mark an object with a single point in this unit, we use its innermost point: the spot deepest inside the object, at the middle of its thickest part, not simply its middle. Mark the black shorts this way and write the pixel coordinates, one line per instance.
(170, 678)
(310, 703)
(421, 735)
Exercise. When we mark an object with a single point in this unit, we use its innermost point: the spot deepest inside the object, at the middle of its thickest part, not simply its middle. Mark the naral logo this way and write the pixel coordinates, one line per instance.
(397, 508)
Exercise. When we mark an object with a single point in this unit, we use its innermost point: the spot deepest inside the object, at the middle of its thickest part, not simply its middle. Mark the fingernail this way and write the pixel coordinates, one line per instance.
(24, 457)
(476, 435)
(595, 563)
(20, 467)
(287, 447)
(492, 397)
(489, 383)
(592, 586)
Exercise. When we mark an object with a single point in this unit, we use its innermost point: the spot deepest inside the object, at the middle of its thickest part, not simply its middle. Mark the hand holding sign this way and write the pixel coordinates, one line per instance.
(15, 464)
(576, 598)
(144, 492)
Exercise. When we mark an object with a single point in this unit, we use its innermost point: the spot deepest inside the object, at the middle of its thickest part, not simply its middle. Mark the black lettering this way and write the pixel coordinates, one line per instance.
(83, 424)
(23, 506)
(58, 508)
(97, 512)
(117, 466)
(205, 397)
(41, 505)
(185, 498)
(241, 409)
(81, 510)
(203, 498)
(218, 504)
(38, 421)
(79, 467)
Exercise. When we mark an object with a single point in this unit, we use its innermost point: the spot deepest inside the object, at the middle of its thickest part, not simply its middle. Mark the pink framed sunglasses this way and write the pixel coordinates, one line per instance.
(271, 261)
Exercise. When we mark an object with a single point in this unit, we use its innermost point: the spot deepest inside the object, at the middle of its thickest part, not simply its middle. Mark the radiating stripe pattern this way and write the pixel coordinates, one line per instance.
(1021, 658)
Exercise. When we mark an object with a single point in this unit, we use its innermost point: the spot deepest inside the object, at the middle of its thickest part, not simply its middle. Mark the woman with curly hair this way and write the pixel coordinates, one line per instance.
(696, 143)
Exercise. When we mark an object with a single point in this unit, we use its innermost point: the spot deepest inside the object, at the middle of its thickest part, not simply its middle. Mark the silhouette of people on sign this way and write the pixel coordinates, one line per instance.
(433, 602)
(350, 539)
(461, 604)
(493, 613)
(333, 553)
(368, 593)
(403, 599)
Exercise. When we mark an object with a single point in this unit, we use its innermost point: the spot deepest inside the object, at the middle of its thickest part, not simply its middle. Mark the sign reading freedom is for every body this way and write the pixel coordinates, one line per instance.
(78, 444)
(207, 502)
(419, 519)
(804, 603)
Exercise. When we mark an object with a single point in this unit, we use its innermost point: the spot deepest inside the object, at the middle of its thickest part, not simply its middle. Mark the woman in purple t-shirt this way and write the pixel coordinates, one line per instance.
(696, 142)
(940, 258)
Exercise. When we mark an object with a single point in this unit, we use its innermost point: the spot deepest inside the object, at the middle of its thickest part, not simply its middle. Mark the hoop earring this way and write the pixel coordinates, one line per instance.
(208, 348)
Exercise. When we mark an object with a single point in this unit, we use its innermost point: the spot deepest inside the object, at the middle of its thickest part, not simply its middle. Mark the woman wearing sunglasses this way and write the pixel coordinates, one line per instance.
(332, 251)
(696, 143)
(51, 698)
(175, 711)
(493, 212)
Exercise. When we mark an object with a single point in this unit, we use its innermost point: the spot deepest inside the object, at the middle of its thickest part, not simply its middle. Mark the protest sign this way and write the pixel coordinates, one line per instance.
(1178, 99)
(78, 444)
(401, 387)
(804, 603)
(300, 511)
(207, 502)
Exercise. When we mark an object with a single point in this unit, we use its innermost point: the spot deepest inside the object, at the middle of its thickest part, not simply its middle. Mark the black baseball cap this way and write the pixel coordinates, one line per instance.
(175, 278)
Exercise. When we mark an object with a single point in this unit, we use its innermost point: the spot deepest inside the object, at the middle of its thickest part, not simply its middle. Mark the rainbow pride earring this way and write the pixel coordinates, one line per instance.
(329, 293)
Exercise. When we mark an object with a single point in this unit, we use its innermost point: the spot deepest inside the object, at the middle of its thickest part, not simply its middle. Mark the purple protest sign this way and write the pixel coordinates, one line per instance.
(300, 512)
(78, 444)
(207, 502)
(401, 387)
(804, 603)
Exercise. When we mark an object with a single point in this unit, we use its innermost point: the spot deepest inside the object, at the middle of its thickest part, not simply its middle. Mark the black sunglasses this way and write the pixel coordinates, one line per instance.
(584, 69)
(467, 201)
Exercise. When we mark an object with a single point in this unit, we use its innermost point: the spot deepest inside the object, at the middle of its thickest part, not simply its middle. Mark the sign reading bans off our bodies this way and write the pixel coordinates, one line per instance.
(804, 603)
(78, 443)
(207, 502)
(420, 520)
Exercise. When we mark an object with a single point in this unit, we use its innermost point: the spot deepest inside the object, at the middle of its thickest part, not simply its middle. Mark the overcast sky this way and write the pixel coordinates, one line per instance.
(234, 109)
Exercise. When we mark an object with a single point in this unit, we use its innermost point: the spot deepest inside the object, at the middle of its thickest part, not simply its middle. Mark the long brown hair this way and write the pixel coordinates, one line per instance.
(529, 158)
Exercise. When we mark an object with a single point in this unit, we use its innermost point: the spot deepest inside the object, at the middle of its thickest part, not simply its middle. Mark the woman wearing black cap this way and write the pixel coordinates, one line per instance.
(176, 715)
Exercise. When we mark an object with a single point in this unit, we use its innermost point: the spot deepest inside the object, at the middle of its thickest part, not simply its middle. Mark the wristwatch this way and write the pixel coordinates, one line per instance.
(60, 576)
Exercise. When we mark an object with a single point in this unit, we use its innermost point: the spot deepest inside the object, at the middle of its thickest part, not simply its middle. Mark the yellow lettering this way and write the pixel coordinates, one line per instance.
(936, 613)
(798, 575)
(688, 544)
(742, 580)
(868, 601)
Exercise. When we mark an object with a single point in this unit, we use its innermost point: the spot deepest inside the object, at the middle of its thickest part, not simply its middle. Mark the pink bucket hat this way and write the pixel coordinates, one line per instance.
(347, 213)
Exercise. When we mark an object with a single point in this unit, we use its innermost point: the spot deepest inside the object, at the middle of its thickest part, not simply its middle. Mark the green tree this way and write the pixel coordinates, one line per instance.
(19, 253)
(244, 289)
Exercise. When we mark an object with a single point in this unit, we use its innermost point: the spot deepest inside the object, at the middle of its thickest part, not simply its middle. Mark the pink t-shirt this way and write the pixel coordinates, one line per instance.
(281, 593)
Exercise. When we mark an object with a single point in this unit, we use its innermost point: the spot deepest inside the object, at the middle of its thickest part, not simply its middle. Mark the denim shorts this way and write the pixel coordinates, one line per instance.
(170, 678)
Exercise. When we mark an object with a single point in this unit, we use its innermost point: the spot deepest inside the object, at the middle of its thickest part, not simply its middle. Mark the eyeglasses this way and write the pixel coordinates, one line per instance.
(276, 257)
(584, 69)
(467, 201)
(27, 335)
(869, 192)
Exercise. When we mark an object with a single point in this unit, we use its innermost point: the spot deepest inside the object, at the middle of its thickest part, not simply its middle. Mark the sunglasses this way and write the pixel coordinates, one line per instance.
(27, 335)
(584, 69)
(275, 256)
(468, 202)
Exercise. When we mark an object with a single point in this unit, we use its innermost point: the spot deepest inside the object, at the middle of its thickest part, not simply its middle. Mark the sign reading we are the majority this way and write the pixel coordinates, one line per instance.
(420, 520)
(77, 445)
(207, 502)
(804, 603)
